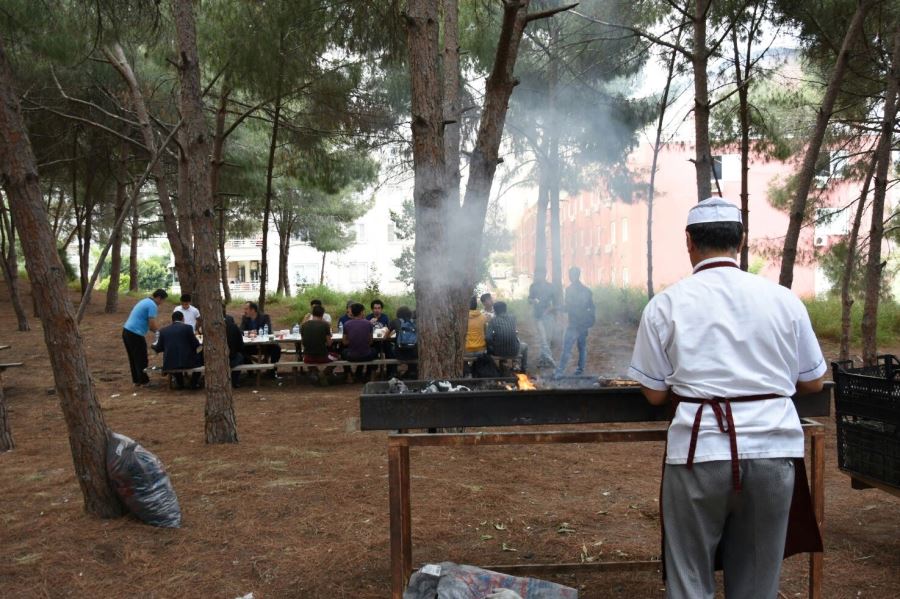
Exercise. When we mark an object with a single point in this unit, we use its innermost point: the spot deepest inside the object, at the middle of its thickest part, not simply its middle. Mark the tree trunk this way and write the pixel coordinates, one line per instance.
(270, 167)
(808, 167)
(10, 265)
(553, 174)
(68, 361)
(439, 349)
(6, 440)
(540, 233)
(657, 146)
(178, 240)
(700, 60)
(874, 265)
(284, 284)
(451, 107)
(850, 261)
(322, 270)
(215, 167)
(133, 254)
(448, 240)
(741, 79)
(220, 419)
(115, 261)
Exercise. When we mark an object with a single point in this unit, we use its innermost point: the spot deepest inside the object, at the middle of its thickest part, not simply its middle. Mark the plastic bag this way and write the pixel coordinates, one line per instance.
(455, 581)
(141, 482)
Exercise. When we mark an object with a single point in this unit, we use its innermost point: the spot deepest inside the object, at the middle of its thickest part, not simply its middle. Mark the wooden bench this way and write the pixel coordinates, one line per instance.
(295, 367)
(505, 364)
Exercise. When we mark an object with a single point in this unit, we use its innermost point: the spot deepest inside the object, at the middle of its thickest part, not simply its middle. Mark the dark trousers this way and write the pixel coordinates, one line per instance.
(235, 360)
(136, 347)
(372, 355)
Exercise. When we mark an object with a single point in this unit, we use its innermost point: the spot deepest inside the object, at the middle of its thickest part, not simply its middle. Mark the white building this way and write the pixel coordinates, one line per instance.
(370, 257)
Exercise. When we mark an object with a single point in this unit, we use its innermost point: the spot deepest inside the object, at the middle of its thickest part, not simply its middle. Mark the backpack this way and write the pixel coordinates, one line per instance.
(406, 336)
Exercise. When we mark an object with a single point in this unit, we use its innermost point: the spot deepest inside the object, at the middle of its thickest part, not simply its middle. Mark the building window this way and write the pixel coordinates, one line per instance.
(612, 232)
(358, 272)
(625, 277)
(360, 233)
(717, 167)
(392, 233)
(624, 230)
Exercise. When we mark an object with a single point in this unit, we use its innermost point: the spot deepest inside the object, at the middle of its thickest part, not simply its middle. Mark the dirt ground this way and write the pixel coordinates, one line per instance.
(299, 507)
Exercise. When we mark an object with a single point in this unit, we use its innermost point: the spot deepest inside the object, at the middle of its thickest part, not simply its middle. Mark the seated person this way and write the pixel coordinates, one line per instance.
(235, 339)
(312, 304)
(178, 345)
(502, 338)
(357, 339)
(316, 336)
(377, 315)
(405, 346)
(253, 321)
(487, 300)
(347, 316)
(191, 314)
(475, 343)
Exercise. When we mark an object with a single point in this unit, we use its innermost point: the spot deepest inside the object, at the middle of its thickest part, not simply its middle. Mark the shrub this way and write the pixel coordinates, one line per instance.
(825, 315)
(334, 302)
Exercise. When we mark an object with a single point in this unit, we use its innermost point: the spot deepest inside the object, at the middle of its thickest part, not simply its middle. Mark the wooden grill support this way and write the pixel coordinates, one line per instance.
(400, 494)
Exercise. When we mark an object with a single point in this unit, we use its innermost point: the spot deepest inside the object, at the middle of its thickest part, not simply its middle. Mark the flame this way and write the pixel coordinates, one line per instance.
(525, 383)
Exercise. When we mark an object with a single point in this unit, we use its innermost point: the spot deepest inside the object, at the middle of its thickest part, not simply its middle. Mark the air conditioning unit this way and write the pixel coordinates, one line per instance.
(820, 241)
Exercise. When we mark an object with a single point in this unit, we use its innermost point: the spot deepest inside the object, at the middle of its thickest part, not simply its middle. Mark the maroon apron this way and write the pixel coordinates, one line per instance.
(802, 530)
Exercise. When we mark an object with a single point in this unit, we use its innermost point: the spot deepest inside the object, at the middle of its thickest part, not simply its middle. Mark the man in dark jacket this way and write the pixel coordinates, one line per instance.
(235, 339)
(178, 345)
(253, 321)
(502, 337)
(580, 309)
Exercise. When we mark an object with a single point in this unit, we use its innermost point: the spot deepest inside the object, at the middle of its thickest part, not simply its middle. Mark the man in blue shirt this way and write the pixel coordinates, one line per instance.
(141, 320)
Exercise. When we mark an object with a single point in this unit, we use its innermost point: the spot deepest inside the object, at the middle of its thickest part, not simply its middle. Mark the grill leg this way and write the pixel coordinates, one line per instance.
(817, 490)
(401, 524)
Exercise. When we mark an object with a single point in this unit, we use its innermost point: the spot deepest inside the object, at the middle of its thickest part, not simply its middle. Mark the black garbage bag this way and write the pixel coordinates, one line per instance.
(141, 482)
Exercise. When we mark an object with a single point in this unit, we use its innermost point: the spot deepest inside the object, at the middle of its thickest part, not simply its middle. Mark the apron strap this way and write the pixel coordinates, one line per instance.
(725, 422)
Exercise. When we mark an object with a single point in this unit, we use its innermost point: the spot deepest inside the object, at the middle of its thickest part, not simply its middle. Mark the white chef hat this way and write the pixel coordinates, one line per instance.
(714, 210)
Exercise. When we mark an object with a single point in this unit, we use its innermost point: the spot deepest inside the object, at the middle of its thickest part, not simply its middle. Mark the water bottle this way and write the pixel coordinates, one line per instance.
(340, 329)
(259, 332)
(295, 330)
(265, 330)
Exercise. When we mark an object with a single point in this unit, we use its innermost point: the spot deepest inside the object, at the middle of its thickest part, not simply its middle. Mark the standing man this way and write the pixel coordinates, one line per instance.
(740, 345)
(543, 299)
(141, 320)
(191, 313)
(580, 310)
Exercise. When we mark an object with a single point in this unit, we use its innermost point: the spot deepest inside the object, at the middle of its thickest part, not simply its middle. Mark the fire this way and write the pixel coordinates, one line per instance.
(525, 383)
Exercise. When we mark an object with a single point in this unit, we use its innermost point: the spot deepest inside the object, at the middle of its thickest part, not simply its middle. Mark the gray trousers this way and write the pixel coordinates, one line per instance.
(702, 512)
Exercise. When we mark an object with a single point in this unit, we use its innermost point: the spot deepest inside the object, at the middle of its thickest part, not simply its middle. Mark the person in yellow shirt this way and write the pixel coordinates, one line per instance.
(475, 342)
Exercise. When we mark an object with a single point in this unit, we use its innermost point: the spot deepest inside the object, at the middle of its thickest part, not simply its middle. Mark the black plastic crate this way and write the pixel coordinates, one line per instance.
(869, 391)
(870, 448)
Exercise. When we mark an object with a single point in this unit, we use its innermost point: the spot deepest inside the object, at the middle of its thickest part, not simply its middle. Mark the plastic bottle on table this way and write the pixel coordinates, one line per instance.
(265, 330)
(295, 330)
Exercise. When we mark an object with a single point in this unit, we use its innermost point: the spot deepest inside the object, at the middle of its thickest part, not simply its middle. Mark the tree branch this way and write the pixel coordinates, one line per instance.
(544, 14)
(640, 33)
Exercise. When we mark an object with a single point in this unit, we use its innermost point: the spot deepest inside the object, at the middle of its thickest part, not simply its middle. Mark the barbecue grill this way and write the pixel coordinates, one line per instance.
(498, 402)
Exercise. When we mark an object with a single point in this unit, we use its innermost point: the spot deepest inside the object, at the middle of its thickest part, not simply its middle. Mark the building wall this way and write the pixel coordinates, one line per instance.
(607, 238)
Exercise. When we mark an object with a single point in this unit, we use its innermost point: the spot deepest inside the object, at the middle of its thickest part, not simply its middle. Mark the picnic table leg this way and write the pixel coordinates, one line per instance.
(401, 524)
(817, 490)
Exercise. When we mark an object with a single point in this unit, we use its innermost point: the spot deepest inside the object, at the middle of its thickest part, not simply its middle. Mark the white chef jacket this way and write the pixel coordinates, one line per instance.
(191, 314)
(723, 332)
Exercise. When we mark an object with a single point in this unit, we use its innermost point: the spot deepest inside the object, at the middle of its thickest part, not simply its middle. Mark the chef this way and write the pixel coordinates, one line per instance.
(729, 349)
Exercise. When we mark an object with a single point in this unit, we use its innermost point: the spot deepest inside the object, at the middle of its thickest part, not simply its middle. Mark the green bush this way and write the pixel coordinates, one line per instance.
(124, 281)
(335, 302)
(614, 305)
(825, 315)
